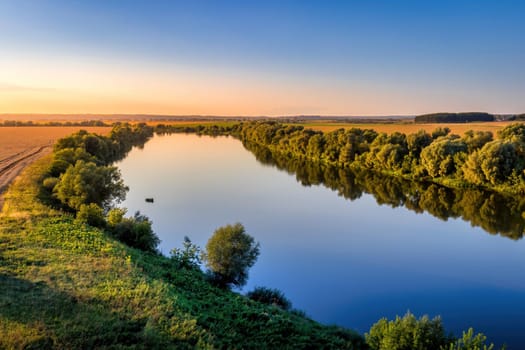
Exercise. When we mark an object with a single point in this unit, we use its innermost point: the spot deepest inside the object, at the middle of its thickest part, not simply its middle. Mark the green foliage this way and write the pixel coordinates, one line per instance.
(407, 333)
(86, 183)
(417, 141)
(410, 333)
(513, 133)
(65, 157)
(91, 214)
(49, 183)
(134, 231)
(469, 341)
(439, 132)
(187, 257)
(270, 296)
(230, 252)
(115, 216)
(494, 163)
(476, 139)
(439, 159)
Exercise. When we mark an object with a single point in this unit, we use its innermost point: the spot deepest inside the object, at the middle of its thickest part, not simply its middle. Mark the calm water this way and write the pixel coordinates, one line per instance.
(341, 261)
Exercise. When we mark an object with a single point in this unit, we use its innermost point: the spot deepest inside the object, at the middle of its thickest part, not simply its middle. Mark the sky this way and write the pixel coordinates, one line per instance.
(354, 57)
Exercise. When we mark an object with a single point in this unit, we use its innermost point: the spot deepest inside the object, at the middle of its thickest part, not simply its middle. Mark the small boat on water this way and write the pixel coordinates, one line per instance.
(149, 200)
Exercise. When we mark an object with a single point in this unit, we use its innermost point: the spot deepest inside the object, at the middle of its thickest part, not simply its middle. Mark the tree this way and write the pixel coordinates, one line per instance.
(494, 163)
(407, 333)
(442, 156)
(230, 252)
(85, 183)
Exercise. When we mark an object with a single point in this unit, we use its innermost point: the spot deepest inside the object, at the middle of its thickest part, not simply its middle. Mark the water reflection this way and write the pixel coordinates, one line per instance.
(495, 213)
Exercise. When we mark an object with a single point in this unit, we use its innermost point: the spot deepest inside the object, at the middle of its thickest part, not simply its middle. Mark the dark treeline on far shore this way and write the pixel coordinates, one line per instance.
(466, 117)
(455, 117)
(53, 123)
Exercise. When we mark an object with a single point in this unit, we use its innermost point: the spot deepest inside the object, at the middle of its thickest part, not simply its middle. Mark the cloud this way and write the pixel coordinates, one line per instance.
(8, 87)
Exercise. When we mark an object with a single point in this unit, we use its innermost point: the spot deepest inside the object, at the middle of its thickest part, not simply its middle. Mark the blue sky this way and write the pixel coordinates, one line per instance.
(268, 57)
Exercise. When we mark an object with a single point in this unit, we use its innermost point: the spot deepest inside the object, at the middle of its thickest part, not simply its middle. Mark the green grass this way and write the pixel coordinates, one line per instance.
(65, 285)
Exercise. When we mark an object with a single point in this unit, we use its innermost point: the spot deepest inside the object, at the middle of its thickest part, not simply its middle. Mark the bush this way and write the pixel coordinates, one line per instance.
(270, 296)
(189, 256)
(230, 252)
(469, 341)
(407, 333)
(91, 214)
(135, 231)
(49, 183)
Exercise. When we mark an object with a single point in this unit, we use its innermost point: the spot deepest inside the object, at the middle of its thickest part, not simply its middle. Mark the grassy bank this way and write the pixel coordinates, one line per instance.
(69, 285)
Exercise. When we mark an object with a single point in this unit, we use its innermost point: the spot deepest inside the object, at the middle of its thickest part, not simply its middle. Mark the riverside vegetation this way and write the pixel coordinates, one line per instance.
(76, 273)
(474, 160)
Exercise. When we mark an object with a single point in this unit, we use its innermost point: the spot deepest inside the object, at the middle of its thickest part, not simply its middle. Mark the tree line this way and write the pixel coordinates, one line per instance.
(455, 117)
(474, 160)
(53, 123)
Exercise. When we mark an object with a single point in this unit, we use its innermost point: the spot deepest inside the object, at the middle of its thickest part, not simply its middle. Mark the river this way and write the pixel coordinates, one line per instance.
(349, 251)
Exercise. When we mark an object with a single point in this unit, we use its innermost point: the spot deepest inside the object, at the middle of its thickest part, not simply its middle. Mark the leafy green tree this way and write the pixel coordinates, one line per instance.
(417, 141)
(476, 139)
(494, 163)
(439, 159)
(407, 333)
(230, 252)
(86, 183)
(315, 146)
(65, 157)
(513, 133)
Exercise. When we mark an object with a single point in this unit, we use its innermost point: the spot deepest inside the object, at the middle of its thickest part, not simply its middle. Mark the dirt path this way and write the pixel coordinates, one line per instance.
(11, 166)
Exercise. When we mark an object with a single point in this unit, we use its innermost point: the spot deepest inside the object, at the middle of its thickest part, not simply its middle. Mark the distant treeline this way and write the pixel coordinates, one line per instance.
(455, 117)
(475, 159)
(53, 123)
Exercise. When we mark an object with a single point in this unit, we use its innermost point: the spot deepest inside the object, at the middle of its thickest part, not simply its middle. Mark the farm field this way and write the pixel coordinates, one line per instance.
(20, 146)
(408, 128)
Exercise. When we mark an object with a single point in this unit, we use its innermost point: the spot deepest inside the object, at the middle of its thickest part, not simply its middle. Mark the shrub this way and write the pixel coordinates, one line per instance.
(136, 232)
(91, 214)
(189, 256)
(469, 341)
(270, 296)
(49, 183)
(407, 333)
